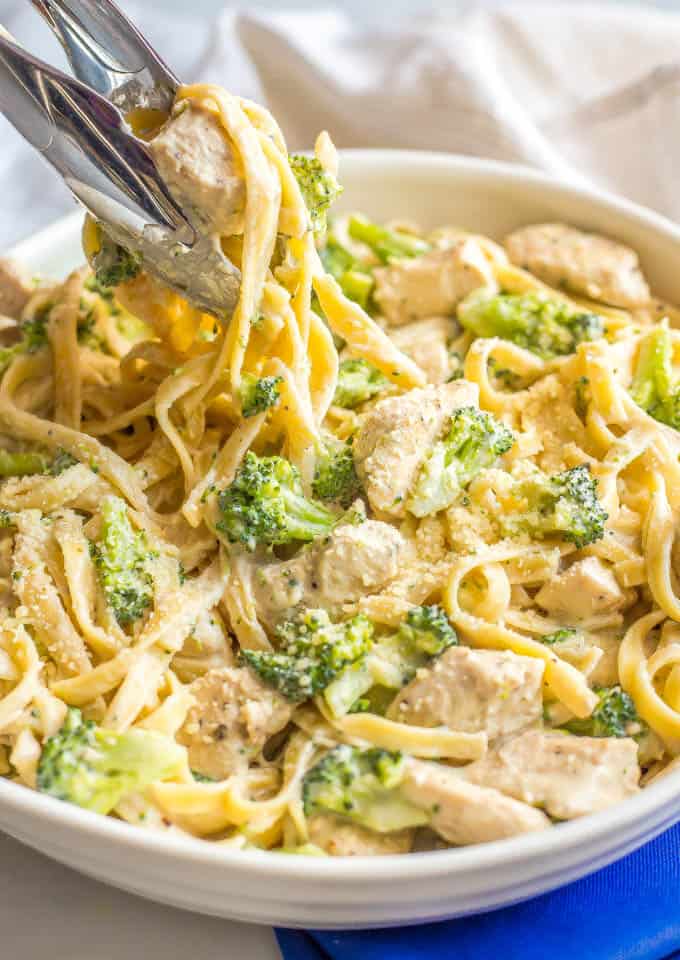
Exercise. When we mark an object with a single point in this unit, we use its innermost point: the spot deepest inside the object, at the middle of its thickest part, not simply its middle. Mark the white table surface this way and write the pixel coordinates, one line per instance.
(48, 911)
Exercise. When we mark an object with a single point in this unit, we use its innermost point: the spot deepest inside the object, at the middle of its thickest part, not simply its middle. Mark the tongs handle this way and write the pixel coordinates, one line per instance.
(109, 54)
(84, 136)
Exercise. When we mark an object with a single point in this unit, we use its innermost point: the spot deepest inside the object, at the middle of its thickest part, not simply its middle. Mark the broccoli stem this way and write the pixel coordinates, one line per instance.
(357, 287)
(386, 244)
(21, 464)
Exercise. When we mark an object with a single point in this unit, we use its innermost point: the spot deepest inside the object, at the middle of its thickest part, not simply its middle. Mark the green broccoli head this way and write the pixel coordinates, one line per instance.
(363, 786)
(335, 476)
(312, 652)
(265, 504)
(427, 630)
(564, 505)
(654, 387)
(95, 768)
(114, 264)
(34, 331)
(474, 442)
(358, 381)
(535, 321)
(121, 557)
(24, 463)
(33, 337)
(392, 661)
(386, 244)
(614, 716)
(62, 461)
(319, 188)
(258, 394)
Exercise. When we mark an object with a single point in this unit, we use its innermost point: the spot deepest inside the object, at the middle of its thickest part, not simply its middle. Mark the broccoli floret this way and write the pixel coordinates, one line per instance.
(24, 463)
(95, 768)
(265, 504)
(34, 331)
(335, 476)
(427, 630)
(312, 652)
(33, 337)
(5, 519)
(654, 387)
(21, 464)
(114, 264)
(121, 558)
(258, 394)
(363, 786)
(393, 660)
(474, 442)
(62, 461)
(319, 188)
(386, 244)
(614, 716)
(564, 505)
(560, 636)
(358, 381)
(535, 321)
(355, 282)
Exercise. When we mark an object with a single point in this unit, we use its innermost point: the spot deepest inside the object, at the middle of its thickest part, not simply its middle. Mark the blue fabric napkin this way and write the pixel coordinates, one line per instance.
(628, 911)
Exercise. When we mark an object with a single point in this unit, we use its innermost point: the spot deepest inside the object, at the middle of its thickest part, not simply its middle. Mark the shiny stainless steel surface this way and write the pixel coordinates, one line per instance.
(79, 127)
(107, 52)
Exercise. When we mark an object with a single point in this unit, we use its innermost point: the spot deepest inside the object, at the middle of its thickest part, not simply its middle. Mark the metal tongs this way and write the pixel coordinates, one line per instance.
(79, 126)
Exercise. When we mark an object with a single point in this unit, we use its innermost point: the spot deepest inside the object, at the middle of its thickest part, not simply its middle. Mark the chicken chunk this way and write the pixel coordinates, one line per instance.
(472, 691)
(233, 717)
(426, 342)
(432, 284)
(340, 838)
(396, 436)
(15, 288)
(567, 776)
(463, 813)
(587, 588)
(583, 263)
(199, 163)
(356, 560)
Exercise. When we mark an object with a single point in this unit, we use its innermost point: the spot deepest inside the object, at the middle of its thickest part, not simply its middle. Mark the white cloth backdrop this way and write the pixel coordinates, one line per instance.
(582, 90)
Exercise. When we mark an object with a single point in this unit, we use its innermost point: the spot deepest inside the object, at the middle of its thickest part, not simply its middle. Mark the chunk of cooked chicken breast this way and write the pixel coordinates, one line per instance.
(585, 589)
(199, 163)
(396, 435)
(233, 717)
(583, 263)
(497, 692)
(432, 284)
(339, 838)
(463, 813)
(426, 343)
(567, 776)
(15, 288)
(354, 561)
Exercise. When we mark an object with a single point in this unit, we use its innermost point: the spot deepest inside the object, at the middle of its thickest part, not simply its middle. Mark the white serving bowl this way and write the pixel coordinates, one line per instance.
(269, 888)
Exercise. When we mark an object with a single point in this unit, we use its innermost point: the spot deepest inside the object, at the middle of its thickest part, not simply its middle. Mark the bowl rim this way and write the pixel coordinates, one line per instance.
(453, 862)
